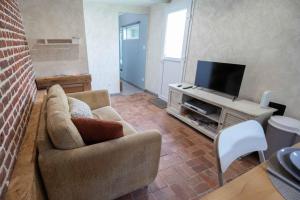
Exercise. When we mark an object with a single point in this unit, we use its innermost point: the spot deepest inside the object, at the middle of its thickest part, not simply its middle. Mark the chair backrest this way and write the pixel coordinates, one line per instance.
(238, 140)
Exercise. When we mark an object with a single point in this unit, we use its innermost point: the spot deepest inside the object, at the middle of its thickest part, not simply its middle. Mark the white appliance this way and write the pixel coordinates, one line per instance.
(265, 99)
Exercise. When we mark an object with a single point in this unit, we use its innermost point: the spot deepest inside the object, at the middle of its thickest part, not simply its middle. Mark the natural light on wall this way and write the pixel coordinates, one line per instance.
(175, 34)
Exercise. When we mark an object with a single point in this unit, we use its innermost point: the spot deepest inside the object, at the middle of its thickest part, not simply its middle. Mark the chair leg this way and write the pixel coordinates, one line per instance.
(221, 178)
(261, 156)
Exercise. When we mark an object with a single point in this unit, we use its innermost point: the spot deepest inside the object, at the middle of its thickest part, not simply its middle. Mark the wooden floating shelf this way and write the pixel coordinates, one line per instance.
(72, 41)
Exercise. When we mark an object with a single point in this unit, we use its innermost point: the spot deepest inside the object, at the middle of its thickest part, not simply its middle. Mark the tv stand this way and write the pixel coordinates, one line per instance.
(209, 112)
(233, 98)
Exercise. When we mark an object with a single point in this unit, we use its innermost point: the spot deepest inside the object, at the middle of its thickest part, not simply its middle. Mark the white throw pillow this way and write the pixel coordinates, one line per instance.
(79, 108)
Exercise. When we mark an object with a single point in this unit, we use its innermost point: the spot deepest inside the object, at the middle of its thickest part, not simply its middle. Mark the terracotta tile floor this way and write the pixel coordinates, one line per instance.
(187, 167)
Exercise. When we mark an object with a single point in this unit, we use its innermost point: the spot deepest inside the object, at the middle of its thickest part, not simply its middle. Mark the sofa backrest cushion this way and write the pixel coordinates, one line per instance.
(61, 130)
(56, 91)
(79, 108)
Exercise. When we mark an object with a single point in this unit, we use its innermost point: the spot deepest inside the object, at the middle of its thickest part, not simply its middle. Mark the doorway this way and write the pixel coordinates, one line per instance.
(175, 42)
(133, 29)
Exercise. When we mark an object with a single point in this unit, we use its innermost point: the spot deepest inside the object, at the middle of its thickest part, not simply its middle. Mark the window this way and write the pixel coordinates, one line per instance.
(131, 32)
(175, 34)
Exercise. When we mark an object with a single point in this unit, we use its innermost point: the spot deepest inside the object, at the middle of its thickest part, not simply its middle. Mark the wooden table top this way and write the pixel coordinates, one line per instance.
(254, 184)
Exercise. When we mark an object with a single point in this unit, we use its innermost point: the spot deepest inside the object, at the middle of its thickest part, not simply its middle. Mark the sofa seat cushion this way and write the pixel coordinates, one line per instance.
(94, 131)
(127, 128)
(107, 113)
(79, 109)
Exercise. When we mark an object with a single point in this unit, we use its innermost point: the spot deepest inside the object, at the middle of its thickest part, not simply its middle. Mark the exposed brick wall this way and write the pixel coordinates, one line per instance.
(17, 87)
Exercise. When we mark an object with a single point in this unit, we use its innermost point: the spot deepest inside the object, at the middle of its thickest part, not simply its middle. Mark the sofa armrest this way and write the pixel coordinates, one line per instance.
(102, 171)
(95, 99)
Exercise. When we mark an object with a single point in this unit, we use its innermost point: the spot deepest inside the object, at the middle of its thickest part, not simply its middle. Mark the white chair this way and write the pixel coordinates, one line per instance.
(236, 141)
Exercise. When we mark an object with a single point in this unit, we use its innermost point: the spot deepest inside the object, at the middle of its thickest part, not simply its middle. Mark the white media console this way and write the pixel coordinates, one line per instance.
(224, 112)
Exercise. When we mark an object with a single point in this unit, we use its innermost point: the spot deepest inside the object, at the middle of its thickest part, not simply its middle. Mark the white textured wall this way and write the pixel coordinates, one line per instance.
(155, 46)
(263, 34)
(102, 35)
(55, 19)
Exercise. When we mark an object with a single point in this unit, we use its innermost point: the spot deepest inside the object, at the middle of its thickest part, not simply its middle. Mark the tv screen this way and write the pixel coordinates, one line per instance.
(223, 77)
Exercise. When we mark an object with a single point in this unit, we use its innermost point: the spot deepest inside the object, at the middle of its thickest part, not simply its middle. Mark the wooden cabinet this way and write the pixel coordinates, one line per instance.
(70, 83)
(230, 117)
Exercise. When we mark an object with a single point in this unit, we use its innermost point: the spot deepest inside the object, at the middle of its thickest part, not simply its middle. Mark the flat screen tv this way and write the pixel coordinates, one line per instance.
(222, 77)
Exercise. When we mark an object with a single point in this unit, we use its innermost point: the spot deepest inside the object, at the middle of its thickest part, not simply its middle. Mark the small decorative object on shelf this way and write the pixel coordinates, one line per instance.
(265, 99)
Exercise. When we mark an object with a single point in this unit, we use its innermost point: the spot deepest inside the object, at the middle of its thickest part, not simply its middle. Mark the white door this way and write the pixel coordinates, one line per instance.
(174, 50)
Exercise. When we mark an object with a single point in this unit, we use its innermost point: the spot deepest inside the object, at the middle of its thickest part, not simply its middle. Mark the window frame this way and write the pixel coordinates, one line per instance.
(125, 30)
(165, 55)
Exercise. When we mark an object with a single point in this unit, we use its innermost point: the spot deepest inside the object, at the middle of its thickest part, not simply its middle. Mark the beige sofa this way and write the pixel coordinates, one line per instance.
(101, 171)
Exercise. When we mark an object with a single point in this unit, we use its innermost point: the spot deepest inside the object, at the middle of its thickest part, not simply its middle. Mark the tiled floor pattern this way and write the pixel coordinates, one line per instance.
(187, 165)
(129, 89)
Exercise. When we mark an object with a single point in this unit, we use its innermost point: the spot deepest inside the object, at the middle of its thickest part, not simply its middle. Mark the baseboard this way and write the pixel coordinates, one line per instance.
(115, 94)
(149, 92)
(132, 84)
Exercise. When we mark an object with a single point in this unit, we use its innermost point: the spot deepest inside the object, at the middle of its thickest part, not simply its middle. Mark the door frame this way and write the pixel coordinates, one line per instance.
(121, 38)
(121, 27)
(185, 45)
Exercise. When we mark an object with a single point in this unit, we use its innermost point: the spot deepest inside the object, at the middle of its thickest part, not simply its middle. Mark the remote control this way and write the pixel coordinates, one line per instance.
(188, 87)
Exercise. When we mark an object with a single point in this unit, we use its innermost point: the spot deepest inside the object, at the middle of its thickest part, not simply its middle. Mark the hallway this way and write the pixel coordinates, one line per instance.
(129, 89)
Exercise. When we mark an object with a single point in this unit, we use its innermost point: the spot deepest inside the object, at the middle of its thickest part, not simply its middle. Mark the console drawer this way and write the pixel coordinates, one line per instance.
(230, 118)
(175, 99)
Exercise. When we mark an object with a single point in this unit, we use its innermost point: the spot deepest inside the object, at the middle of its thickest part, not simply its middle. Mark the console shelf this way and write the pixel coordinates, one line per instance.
(225, 111)
(202, 129)
(214, 116)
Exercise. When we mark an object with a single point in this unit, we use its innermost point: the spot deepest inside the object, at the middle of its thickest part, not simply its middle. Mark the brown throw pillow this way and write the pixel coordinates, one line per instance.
(94, 131)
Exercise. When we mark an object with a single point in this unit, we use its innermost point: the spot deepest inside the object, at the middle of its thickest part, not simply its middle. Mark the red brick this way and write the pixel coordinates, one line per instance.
(8, 161)
(2, 77)
(13, 147)
(8, 140)
(1, 121)
(3, 64)
(16, 85)
(2, 176)
(2, 156)
(1, 138)
(1, 107)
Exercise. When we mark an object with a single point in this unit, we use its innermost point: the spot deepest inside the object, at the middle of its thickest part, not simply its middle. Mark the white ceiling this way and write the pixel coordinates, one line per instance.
(134, 2)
